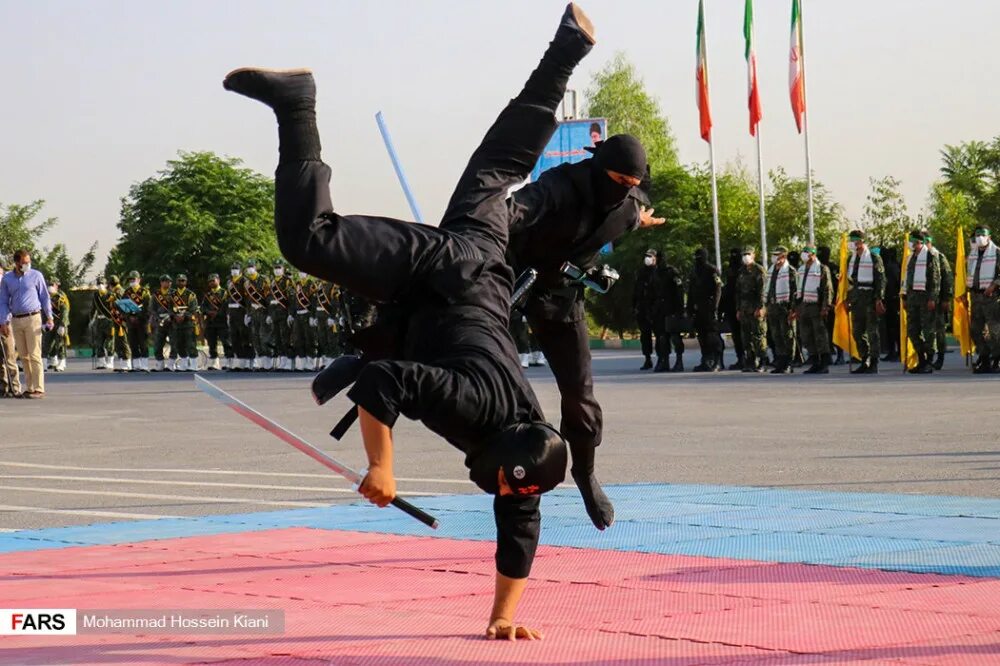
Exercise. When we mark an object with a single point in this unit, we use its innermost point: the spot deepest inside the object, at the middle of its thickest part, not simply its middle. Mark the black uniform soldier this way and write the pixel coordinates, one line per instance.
(454, 366)
(643, 302)
(943, 311)
(814, 300)
(137, 323)
(728, 303)
(280, 318)
(982, 278)
(921, 291)
(213, 310)
(751, 311)
(889, 323)
(704, 295)
(780, 302)
(865, 299)
(241, 351)
(185, 312)
(328, 347)
(161, 320)
(568, 215)
(669, 311)
(823, 254)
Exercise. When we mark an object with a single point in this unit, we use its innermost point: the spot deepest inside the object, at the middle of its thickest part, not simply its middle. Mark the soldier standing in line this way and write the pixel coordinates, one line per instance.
(161, 322)
(668, 313)
(185, 311)
(780, 303)
(921, 291)
(751, 313)
(56, 341)
(704, 294)
(943, 310)
(326, 331)
(865, 300)
(240, 349)
(890, 322)
(823, 254)
(213, 308)
(119, 330)
(258, 292)
(304, 323)
(727, 306)
(137, 323)
(982, 277)
(814, 301)
(100, 326)
(280, 318)
(356, 313)
(643, 299)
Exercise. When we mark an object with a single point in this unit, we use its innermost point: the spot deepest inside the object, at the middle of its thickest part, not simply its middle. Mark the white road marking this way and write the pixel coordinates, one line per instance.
(78, 512)
(185, 498)
(75, 468)
(107, 479)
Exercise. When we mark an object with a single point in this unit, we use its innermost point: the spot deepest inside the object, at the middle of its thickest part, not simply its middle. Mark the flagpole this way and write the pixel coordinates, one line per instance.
(760, 194)
(715, 203)
(805, 127)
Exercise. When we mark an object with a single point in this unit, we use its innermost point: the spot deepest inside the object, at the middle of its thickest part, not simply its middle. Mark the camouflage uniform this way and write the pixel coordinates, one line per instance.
(943, 311)
(862, 296)
(984, 309)
(780, 302)
(750, 300)
(921, 321)
(814, 301)
(55, 342)
(304, 324)
(328, 346)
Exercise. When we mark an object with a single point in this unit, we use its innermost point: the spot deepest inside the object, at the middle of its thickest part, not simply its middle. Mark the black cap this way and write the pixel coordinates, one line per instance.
(622, 153)
(533, 457)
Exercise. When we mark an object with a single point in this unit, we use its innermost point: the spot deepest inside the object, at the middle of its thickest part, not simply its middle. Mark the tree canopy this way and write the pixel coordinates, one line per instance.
(20, 231)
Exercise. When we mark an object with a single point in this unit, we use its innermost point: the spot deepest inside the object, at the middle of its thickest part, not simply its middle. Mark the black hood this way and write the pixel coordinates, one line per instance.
(622, 153)
(533, 457)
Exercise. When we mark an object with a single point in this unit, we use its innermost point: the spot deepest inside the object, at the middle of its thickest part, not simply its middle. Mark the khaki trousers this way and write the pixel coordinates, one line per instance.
(10, 363)
(28, 340)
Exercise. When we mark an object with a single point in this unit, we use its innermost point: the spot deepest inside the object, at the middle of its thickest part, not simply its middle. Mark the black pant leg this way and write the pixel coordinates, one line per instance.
(645, 335)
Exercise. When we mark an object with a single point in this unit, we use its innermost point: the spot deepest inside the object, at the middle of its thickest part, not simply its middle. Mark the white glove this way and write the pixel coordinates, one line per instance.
(290, 320)
(330, 321)
(342, 320)
(61, 331)
(268, 321)
(313, 322)
(247, 320)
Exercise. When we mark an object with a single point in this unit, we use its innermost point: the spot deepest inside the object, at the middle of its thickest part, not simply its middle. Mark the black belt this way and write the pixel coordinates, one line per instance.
(27, 314)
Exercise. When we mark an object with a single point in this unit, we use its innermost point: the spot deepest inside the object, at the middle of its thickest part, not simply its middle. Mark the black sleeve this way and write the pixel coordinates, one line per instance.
(386, 389)
(519, 522)
(536, 201)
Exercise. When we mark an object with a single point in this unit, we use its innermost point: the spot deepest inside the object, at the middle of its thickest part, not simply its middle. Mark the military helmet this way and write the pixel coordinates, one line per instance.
(133, 275)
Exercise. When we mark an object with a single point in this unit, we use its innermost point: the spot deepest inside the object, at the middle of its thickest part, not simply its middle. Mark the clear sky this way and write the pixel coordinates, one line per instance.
(98, 95)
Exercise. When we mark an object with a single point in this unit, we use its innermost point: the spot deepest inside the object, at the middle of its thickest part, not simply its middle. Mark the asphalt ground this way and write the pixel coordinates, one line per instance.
(104, 447)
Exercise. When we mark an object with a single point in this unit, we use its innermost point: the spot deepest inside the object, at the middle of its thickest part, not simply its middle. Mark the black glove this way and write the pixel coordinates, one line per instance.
(601, 278)
(599, 507)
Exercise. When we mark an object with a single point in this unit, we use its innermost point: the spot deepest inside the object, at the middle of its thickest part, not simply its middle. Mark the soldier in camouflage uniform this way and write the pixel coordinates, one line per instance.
(780, 301)
(304, 323)
(982, 278)
(216, 328)
(943, 310)
(137, 324)
(119, 330)
(814, 302)
(750, 311)
(866, 291)
(161, 322)
(356, 313)
(100, 326)
(921, 293)
(183, 342)
(280, 317)
(328, 347)
(241, 351)
(55, 341)
(257, 290)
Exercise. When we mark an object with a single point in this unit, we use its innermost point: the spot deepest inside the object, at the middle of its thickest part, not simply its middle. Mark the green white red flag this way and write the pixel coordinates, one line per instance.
(753, 92)
(704, 108)
(796, 68)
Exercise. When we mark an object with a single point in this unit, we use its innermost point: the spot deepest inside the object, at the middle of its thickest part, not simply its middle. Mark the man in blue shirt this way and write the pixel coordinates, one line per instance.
(24, 298)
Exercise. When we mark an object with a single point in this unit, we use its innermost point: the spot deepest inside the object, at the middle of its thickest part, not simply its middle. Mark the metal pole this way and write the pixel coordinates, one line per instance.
(805, 126)
(410, 199)
(715, 204)
(760, 194)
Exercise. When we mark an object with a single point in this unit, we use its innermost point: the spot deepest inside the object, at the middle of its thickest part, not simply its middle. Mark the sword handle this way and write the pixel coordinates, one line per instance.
(424, 517)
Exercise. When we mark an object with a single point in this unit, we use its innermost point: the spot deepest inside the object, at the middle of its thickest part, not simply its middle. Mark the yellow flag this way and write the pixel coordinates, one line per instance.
(960, 320)
(843, 337)
(908, 352)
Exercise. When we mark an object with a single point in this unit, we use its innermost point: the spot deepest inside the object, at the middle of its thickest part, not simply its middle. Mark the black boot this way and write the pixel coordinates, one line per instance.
(678, 364)
(701, 367)
(814, 363)
(648, 365)
(824, 365)
(872, 367)
(782, 365)
(662, 364)
(840, 357)
(939, 361)
(738, 365)
(862, 369)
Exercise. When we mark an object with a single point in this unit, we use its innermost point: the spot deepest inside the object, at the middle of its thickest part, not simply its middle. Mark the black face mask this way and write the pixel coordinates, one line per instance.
(609, 193)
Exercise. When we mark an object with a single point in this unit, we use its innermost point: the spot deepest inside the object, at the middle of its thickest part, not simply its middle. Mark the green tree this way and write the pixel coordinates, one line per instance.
(786, 208)
(196, 216)
(57, 263)
(885, 219)
(947, 211)
(18, 231)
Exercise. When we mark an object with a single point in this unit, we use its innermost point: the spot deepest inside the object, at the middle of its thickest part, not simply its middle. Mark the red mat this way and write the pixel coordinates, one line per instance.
(353, 598)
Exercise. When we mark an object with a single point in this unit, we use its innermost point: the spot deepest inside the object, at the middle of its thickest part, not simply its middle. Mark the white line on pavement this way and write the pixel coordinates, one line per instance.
(106, 479)
(78, 512)
(212, 471)
(185, 498)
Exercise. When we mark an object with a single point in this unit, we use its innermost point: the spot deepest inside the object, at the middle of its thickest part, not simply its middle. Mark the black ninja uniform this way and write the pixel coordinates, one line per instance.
(453, 364)
(569, 214)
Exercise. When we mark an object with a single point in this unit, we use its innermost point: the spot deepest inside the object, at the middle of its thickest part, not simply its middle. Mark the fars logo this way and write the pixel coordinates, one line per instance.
(37, 621)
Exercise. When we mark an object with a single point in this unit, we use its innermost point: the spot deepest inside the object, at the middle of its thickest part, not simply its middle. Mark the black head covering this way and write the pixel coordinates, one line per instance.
(823, 254)
(622, 153)
(701, 256)
(533, 457)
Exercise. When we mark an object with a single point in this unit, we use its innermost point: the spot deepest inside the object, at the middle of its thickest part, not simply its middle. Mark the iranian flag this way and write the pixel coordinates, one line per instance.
(704, 108)
(796, 68)
(753, 92)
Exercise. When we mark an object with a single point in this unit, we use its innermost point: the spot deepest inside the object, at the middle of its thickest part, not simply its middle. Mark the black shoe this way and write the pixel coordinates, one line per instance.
(814, 363)
(862, 369)
(662, 365)
(872, 367)
(737, 366)
(782, 367)
(939, 361)
(840, 358)
(678, 364)
(336, 377)
(278, 88)
(701, 367)
(648, 365)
